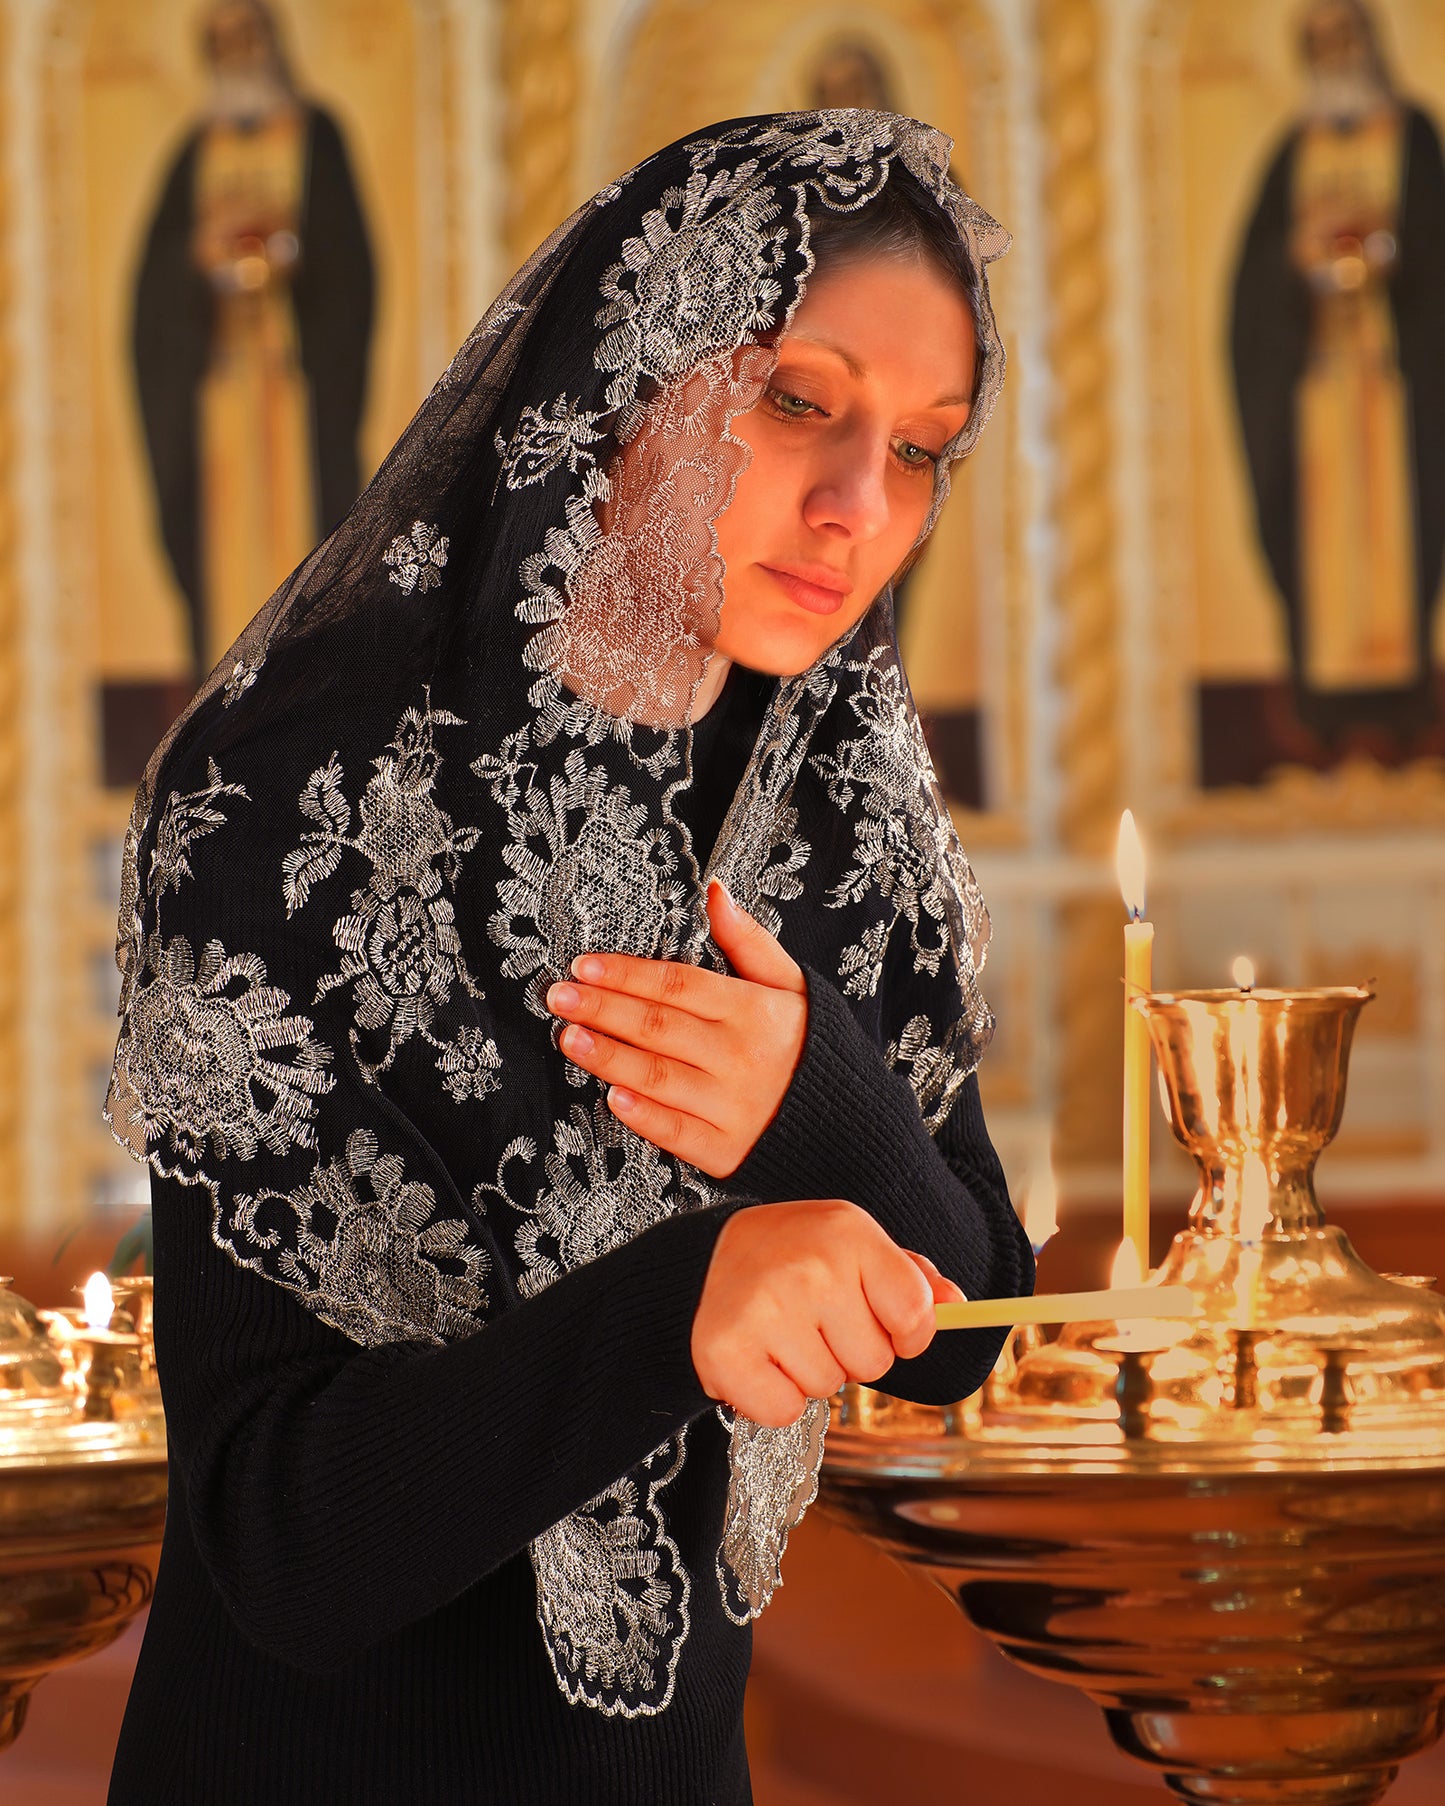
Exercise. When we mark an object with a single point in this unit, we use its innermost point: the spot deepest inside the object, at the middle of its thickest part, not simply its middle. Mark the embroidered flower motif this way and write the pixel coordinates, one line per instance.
(492, 325)
(759, 851)
(243, 675)
(199, 1056)
(612, 1595)
(417, 562)
(588, 872)
(902, 842)
(772, 1480)
(470, 1065)
(605, 1185)
(365, 1249)
(545, 440)
(402, 951)
(700, 280)
(637, 606)
(185, 819)
(936, 1073)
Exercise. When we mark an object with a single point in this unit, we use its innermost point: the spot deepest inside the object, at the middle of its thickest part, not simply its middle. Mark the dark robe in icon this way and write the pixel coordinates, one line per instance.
(318, 324)
(1341, 406)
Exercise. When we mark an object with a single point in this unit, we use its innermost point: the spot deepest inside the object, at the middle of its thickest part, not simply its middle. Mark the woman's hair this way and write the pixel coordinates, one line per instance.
(901, 221)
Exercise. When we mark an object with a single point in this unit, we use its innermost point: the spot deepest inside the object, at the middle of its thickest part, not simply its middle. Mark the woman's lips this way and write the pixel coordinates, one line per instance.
(821, 592)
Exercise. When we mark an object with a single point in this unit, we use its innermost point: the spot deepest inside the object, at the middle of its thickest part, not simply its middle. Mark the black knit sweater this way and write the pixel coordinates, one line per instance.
(345, 1610)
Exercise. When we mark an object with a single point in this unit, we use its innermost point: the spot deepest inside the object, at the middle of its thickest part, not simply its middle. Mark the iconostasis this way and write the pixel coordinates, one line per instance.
(1193, 568)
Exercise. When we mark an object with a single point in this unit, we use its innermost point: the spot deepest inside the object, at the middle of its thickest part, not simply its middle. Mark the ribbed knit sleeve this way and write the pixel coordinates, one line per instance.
(849, 1127)
(338, 1493)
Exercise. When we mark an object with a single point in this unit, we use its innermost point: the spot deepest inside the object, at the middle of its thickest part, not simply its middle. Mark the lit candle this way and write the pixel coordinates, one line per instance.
(1243, 972)
(1138, 980)
(99, 1301)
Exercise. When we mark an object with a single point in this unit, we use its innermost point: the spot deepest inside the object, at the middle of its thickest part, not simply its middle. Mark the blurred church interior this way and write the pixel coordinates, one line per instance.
(1193, 570)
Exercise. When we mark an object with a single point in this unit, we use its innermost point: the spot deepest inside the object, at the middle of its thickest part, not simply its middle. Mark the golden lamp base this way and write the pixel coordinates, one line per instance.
(1228, 1531)
(82, 1488)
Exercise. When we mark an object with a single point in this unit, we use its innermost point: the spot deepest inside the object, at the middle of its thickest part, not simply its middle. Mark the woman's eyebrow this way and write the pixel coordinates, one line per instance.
(860, 370)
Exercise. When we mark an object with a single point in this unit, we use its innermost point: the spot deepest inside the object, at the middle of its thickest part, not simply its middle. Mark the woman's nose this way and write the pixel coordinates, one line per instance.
(849, 494)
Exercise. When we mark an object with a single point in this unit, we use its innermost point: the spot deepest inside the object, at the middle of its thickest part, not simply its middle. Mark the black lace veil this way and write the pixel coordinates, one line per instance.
(444, 759)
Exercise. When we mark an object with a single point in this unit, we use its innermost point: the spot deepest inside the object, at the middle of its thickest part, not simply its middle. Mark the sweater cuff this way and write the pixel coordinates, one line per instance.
(843, 1108)
(659, 1298)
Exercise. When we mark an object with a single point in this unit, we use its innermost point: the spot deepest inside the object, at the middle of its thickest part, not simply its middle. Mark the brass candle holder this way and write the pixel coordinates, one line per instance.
(1228, 1531)
(82, 1490)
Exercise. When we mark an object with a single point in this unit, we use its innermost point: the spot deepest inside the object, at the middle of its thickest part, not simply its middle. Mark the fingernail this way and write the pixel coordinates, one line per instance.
(587, 967)
(727, 895)
(577, 1040)
(562, 997)
(621, 1100)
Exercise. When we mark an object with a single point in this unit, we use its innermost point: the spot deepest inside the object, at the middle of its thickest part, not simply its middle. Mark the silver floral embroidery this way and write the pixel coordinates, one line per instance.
(365, 1249)
(491, 326)
(199, 1057)
(402, 953)
(417, 560)
(186, 817)
(588, 872)
(697, 281)
(936, 1072)
(759, 852)
(772, 1480)
(244, 673)
(637, 603)
(612, 1594)
(901, 848)
(605, 1185)
(612, 1590)
(547, 438)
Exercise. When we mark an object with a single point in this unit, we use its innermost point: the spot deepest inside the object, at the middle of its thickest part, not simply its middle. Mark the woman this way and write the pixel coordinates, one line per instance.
(550, 1007)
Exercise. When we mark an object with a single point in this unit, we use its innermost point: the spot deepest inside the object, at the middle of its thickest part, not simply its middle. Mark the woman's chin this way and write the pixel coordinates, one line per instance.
(781, 650)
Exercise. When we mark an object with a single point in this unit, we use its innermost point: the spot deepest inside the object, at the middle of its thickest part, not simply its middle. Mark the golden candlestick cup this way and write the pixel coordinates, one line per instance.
(1229, 1531)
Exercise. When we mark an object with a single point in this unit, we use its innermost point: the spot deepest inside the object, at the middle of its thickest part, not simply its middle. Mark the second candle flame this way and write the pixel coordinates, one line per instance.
(1129, 863)
(99, 1302)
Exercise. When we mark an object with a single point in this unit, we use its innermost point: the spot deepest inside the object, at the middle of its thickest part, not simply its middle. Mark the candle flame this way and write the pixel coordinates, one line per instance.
(99, 1302)
(1129, 863)
(1126, 1270)
(1041, 1212)
(1243, 969)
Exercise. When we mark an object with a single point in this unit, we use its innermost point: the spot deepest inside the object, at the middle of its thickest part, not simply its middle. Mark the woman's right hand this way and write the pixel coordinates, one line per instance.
(803, 1296)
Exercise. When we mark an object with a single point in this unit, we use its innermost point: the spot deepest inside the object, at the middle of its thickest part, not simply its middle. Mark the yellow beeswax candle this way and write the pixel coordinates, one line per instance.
(1138, 979)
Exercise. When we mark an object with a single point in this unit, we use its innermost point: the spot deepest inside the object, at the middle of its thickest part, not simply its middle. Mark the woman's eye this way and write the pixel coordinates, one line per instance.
(916, 457)
(793, 407)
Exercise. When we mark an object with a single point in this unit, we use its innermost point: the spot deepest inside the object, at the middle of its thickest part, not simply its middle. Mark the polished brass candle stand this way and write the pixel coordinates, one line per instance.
(1229, 1532)
(82, 1489)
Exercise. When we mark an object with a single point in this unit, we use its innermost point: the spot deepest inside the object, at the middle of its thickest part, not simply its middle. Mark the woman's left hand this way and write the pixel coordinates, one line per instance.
(696, 1063)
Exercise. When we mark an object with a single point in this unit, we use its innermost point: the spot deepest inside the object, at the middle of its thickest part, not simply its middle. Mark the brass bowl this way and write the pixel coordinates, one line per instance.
(1228, 1531)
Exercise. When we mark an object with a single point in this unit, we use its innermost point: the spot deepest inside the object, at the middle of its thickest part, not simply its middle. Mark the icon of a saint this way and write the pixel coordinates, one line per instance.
(1338, 347)
(250, 331)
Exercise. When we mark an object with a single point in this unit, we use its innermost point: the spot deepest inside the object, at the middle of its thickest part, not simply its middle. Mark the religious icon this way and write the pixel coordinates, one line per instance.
(847, 73)
(251, 330)
(1338, 349)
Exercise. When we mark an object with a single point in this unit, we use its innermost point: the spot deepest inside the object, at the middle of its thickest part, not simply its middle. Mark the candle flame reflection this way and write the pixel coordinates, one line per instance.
(1129, 863)
(99, 1302)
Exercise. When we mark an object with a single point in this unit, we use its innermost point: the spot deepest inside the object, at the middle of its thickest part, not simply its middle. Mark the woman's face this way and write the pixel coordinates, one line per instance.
(873, 380)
